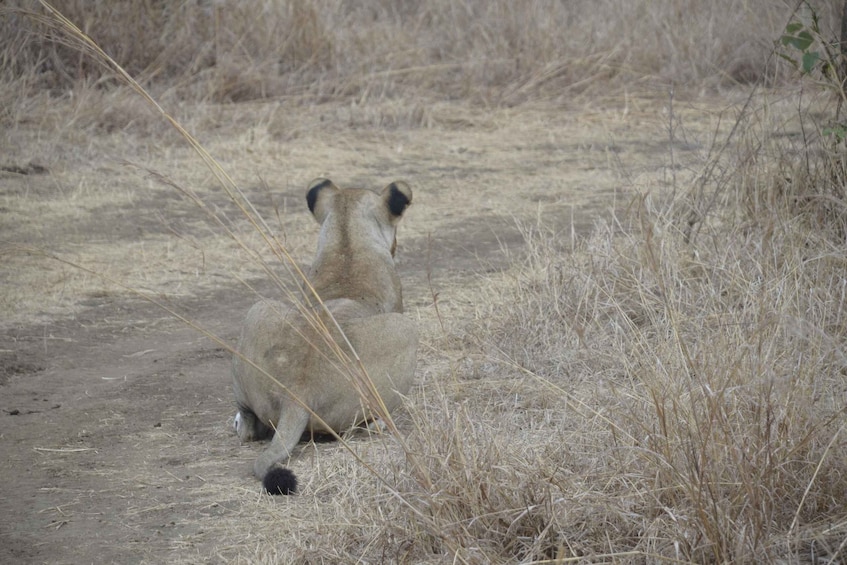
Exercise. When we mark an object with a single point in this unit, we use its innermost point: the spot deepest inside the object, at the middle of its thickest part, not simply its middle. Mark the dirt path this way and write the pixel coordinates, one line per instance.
(115, 439)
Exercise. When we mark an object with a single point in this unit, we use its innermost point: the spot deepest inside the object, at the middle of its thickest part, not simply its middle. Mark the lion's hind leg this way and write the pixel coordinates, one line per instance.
(277, 479)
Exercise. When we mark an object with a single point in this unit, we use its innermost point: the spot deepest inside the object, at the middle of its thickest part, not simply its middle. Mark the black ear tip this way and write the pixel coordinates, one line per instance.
(319, 183)
(314, 188)
(399, 197)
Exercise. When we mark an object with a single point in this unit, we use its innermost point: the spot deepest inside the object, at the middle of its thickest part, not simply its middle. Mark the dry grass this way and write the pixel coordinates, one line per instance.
(635, 397)
(719, 372)
(716, 362)
(492, 53)
(668, 388)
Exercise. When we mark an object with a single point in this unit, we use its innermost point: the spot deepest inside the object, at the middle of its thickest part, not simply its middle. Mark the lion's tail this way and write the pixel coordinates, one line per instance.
(275, 478)
(280, 480)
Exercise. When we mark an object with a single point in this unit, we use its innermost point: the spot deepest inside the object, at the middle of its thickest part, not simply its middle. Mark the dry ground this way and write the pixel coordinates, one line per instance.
(115, 418)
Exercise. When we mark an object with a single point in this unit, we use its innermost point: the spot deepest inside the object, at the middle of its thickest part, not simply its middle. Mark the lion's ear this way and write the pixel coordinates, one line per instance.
(397, 197)
(319, 197)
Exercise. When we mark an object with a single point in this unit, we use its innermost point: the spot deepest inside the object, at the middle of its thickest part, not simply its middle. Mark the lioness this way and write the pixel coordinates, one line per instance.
(353, 273)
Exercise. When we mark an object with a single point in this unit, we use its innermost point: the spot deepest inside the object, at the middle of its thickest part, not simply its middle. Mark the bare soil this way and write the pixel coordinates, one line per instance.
(116, 442)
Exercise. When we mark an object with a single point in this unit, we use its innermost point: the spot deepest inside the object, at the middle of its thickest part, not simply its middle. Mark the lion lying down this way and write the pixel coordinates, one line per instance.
(354, 275)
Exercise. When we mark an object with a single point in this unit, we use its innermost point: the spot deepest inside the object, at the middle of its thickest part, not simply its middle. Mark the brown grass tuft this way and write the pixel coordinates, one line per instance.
(489, 52)
(719, 363)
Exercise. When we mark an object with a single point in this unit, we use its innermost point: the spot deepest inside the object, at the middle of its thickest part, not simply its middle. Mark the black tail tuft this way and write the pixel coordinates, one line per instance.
(280, 480)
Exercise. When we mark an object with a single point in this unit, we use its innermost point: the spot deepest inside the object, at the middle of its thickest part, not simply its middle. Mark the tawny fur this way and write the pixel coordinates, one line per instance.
(354, 274)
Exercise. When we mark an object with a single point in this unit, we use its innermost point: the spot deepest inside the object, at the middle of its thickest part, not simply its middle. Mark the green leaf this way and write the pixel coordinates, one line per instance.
(838, 132)
(810, 59)
(796, 36)
(793, 28)
(801, 41)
